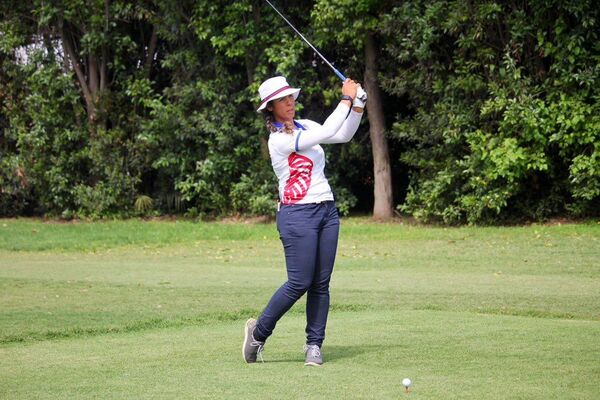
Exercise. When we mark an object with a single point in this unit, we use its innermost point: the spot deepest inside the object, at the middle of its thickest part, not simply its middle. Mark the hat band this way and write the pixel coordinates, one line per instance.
(269, 97)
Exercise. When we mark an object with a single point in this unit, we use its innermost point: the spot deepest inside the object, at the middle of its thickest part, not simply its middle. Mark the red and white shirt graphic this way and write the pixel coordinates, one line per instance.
(299, 160)
(299, 180)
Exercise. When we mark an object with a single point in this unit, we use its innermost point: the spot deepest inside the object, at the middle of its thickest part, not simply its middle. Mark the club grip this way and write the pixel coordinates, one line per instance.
(339, 74)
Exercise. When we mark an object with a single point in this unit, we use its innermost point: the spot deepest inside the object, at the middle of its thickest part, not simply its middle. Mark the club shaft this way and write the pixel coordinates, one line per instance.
(338, 73)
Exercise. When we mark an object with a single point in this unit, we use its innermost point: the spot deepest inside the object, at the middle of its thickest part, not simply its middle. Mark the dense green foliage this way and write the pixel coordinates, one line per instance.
(492, 108)
(506, 118)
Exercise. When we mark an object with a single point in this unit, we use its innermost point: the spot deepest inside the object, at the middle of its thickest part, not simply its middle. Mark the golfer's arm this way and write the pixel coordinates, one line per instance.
(320, 133)
(348, 129)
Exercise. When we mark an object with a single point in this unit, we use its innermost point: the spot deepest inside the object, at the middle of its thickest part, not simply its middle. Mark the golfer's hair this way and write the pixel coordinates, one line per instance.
(269, 119)
(269, 122)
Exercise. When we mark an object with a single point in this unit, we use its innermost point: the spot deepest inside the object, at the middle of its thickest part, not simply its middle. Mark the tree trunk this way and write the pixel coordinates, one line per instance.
(151, 50)
(71, 55)
(251, 62)
(383, 207)
(104, 61)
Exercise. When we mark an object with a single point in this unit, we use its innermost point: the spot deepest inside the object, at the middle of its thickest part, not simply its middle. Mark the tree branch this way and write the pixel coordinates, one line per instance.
(75, 64)
(103, 62)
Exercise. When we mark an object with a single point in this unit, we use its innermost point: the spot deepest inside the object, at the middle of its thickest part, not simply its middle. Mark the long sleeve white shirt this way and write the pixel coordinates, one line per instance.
(299, 161)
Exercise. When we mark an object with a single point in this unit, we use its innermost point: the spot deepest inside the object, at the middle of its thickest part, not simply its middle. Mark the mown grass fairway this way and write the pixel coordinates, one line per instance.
(156, 310)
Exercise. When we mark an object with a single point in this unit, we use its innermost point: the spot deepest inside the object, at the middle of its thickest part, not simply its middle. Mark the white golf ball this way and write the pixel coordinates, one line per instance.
(406, 382)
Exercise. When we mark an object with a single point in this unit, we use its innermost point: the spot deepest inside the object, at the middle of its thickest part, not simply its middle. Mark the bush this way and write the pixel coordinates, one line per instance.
(505, 117)
(254, 195)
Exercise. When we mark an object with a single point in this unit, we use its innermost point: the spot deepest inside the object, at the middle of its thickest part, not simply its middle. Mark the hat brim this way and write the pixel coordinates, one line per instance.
(293, 91)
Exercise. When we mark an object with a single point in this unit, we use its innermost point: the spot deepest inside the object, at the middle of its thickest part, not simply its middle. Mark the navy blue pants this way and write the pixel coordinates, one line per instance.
(309, 233)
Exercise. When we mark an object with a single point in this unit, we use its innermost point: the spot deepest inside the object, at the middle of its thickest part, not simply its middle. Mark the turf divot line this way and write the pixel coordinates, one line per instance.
(137, 326)
(524, 313)
(158, 323)
(241, 315)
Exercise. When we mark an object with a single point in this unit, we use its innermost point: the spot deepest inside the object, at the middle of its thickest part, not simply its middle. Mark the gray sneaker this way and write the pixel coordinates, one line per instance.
(251, 347)
(313, 355)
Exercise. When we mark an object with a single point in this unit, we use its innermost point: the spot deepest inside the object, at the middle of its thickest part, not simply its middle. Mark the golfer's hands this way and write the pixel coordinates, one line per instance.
(350, 88)
(361, 98)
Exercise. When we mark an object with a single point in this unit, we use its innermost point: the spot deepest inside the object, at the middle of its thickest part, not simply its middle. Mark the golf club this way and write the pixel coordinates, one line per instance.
(361, 93)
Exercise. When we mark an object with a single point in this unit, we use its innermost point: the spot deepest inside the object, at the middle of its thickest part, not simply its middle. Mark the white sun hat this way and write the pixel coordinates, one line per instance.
(275, 88)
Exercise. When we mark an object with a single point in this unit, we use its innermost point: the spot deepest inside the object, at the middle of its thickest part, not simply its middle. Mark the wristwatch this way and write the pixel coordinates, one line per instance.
(346, 97)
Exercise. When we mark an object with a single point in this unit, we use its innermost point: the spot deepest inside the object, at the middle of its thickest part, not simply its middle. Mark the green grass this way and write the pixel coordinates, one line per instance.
(134, 309)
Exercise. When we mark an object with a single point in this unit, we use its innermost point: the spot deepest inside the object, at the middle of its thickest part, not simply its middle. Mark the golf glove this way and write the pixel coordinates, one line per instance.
(361, 98)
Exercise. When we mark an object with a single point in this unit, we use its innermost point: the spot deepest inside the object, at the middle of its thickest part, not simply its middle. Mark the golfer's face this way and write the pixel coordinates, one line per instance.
(284, 108)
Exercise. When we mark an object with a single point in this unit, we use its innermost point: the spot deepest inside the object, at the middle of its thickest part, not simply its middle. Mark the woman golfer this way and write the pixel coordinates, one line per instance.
(307, 219)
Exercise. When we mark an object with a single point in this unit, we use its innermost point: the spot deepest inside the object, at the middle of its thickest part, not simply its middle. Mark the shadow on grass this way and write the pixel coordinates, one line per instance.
(337, 352)
(334, 353)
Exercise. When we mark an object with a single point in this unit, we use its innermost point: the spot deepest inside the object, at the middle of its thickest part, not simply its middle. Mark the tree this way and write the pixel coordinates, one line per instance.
(355, 25)
(94, 50)
(105, 101)
(504, 107)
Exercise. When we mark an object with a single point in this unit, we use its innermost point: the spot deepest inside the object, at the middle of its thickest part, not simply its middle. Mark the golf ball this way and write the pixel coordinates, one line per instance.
(406, 382)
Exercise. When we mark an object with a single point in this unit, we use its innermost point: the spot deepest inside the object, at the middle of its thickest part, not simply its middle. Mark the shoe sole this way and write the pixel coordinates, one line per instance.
(246, 341)
(312, 364)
